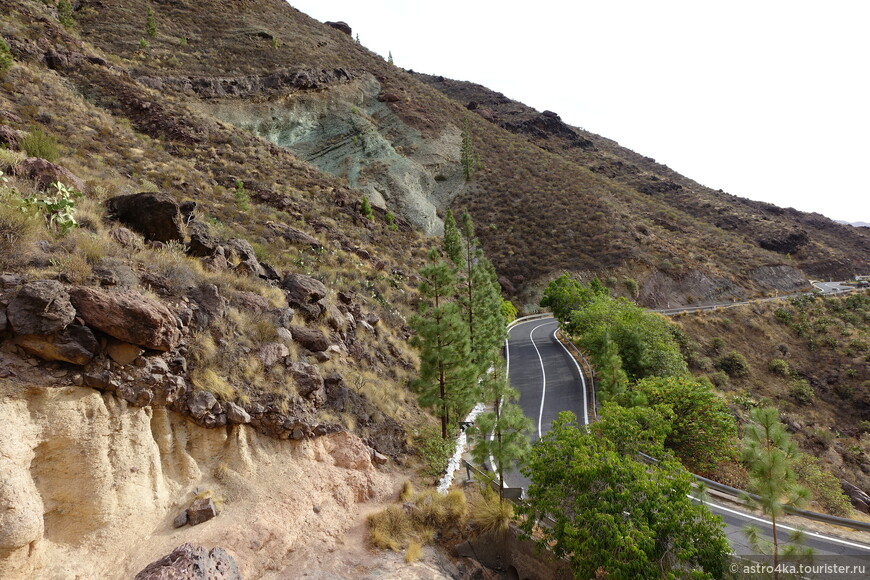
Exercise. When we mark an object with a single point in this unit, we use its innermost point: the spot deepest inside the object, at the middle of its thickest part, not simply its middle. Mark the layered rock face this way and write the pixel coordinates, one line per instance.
(347, 129)
(89, 475)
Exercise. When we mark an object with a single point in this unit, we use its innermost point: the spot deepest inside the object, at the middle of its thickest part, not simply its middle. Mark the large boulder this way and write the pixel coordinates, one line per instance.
(189, 562)
(41, 307)
(341, 25)
(129, 317)
(303, 289)
(154, 215)
(74, 344)
(311, 338)
(45, 173)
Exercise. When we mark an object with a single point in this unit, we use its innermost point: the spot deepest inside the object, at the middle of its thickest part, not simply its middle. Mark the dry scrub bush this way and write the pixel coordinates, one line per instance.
(490, 515)
(17, 229)
(417, 520)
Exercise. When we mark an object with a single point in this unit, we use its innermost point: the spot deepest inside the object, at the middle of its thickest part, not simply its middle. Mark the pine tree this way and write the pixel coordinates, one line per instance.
(150, 23)
(770, 455)
(390, 57)
(502, 433)
(452, 244)
(612, 378)
(469, 158)
(446, 382)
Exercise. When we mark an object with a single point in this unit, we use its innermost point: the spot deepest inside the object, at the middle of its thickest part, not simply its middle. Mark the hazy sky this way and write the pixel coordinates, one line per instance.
(763, 99)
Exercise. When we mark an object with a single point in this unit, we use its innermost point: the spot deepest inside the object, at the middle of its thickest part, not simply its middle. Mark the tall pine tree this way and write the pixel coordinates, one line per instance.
(452, 243)
(502, 433)
(446, 382)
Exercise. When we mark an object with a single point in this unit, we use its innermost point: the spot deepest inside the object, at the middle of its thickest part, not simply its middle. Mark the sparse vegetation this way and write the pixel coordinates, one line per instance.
(39, 143)
(6, 59)
(397, 528)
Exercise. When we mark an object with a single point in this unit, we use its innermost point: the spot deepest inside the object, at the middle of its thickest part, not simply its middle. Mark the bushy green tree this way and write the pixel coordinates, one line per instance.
(644, 339)
(65, 13)
(635, 430)
(769, 455)
(564, 295)
(446, 382)
(703, 433)
(365, 208)
(150, 23)
(611, 378)
(508, 311)
(616, 517)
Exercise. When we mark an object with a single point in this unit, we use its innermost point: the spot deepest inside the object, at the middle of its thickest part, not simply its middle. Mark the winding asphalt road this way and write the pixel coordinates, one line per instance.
(550, 381)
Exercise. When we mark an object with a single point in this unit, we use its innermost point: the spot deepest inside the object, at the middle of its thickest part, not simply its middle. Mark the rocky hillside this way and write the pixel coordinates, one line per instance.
(196, 308)
(728, 233)
(548, 197)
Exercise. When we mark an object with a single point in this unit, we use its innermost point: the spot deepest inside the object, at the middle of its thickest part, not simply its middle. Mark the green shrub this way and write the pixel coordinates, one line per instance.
(778, 367)
(59, 209)
(365, 208)
(632, 287)
(150, 23)
(782, 315)
(802, 392)
(243, 200)
(65, 13)
(719, 379)
(717, 344)
(434, 451)
(38, 143)
(734, 364)
(5, 57)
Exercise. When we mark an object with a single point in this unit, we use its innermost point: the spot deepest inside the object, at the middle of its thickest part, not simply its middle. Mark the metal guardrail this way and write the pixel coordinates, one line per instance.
(515, 494)
(590, 372)
(740, 494)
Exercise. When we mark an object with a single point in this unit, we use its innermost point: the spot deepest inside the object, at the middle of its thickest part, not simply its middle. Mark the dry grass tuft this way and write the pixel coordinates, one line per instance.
(417, 520)
(489, 515)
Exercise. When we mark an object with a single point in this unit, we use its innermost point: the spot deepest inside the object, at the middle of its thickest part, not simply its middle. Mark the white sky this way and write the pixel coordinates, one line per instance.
(764, 99)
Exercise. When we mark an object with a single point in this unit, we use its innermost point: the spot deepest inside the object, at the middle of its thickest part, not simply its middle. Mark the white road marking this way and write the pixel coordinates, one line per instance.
(543, 377)
(579, 372)
(785, 527)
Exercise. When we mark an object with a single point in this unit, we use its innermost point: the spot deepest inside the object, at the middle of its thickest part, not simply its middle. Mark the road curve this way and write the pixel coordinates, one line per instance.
(549, 381)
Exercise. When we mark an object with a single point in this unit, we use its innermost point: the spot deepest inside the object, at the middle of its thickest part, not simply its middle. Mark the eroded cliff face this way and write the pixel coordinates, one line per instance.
(89, 487)
(348, 130)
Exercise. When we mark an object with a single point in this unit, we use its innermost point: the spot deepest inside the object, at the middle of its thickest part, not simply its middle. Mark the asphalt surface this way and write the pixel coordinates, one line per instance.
(549, 381)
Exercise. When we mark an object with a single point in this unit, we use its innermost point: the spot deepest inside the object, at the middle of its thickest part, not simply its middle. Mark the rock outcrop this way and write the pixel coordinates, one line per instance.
(130, 317)
(154, 215)
(187, 562)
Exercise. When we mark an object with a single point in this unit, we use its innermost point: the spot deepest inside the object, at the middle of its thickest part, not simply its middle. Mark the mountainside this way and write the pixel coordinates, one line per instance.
(198, 306)
(725, 233)
(549, 197)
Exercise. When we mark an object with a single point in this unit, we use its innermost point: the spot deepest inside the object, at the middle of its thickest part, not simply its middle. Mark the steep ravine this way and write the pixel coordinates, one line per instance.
(348, 130)
(89, 487)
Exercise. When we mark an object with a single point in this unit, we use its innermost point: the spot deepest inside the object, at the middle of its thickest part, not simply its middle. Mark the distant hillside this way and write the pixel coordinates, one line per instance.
(725, 233)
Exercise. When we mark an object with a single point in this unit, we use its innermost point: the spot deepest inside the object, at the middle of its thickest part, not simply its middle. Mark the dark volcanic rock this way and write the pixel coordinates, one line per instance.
(342, 26)
(295, 236)
(210, 303)
(74, 344)
(202, 243)
(45, 173)
(154, 215)
(201, 510)
(304, 289)
(41, 307)
(130, 317)
(189, 562)
(309, 383)
(311, 338)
